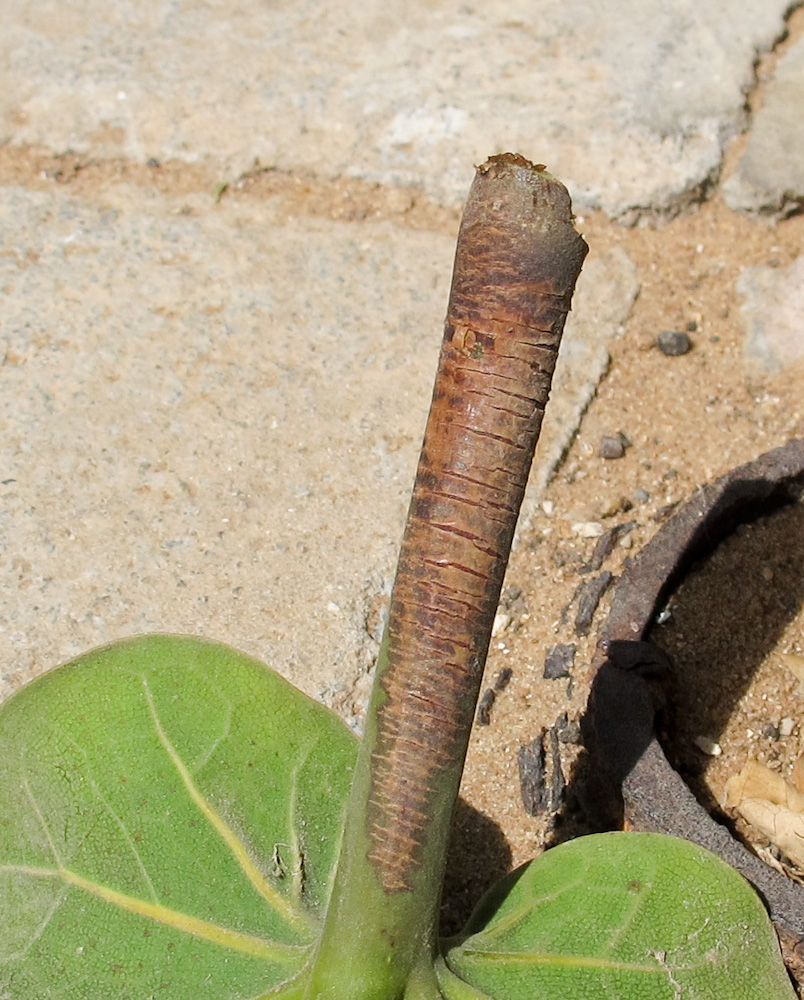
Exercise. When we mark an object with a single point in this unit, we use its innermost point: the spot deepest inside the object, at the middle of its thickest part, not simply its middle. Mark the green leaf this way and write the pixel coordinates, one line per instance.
(170, 817)
(622, 916)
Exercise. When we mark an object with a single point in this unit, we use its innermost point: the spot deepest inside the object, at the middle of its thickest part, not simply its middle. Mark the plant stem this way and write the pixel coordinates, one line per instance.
(517, 260)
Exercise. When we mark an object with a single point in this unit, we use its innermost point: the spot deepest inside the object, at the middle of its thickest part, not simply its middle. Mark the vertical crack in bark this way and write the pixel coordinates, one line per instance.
(517, 261)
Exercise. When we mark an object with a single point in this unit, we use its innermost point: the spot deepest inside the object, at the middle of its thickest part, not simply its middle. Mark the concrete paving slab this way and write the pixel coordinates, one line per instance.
(631, 103)
(769, 177)
(772, 307)
(210, 423)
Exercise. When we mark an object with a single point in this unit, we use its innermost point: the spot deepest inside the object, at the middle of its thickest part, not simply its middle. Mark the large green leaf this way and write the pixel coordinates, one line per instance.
(622, 916)
(170, 816)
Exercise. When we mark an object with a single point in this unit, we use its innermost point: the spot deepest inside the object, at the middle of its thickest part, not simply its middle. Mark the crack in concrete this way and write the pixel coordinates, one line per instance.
(299, 194)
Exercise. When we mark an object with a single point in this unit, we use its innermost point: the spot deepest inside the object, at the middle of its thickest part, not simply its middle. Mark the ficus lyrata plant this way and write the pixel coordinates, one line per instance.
(178, 822)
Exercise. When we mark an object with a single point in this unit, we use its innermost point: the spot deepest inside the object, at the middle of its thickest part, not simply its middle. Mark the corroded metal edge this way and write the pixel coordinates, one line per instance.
(619, 724)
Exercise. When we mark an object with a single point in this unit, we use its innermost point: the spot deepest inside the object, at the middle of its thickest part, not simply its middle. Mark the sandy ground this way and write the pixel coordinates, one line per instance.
(689, 419)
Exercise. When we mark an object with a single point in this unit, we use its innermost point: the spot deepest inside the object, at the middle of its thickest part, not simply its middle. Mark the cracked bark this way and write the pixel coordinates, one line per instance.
(516, 263)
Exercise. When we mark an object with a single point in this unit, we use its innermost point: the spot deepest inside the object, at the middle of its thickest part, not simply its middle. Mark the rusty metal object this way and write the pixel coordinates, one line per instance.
(635, 781)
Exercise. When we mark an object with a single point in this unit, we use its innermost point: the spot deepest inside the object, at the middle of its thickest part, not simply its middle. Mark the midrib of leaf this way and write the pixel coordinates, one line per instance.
(297, 919)
(525, 909)
(270, 951)
(453, 987)
(251, 945)
(533, 958)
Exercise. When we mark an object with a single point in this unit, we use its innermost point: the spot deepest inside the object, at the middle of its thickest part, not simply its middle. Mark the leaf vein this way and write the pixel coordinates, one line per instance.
(565, 961)
(296, 918)
(271, 951)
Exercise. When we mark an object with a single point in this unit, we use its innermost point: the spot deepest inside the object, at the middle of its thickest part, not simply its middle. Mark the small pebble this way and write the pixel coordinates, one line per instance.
(501, 623)
(483, 717)
(569, 731)
(674, 343)
(640, 496)
(612, 446)
(503, 679)
(532, 783)
(589, 594)
(619, 506)
(786, 726)
(707, 746)
(559, 661)
(588, 529)
(664, 511)
(605, 546)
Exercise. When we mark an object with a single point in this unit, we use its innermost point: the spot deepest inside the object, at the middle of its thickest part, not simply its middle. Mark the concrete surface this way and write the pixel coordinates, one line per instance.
(198, 414)
(772, 310)
(630, 103)
(769, 177)
(215, 416)
(211, 412)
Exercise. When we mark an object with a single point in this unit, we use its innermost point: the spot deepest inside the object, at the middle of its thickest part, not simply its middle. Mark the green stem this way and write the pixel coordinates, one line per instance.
(517, 260)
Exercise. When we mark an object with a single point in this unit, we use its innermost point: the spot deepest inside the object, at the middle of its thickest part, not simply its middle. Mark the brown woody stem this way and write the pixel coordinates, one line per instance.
(517, 260)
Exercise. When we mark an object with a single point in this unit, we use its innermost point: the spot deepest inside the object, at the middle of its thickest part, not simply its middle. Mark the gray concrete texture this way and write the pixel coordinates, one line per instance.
(772, 308)
(631, 103)
(770, 175)
(210, 413)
